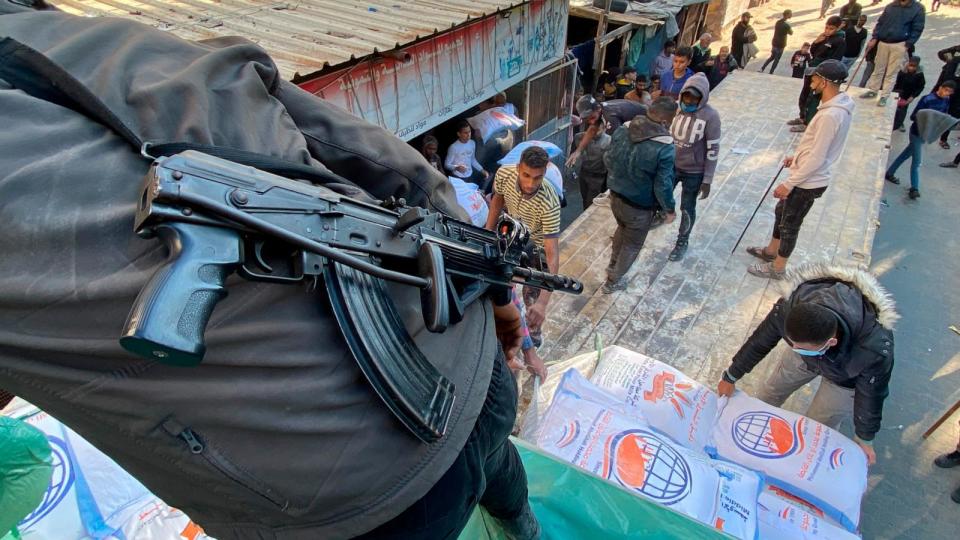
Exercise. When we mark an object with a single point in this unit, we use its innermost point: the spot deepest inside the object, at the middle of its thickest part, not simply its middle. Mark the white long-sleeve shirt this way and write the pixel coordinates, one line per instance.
(821, 144)
(464, 154)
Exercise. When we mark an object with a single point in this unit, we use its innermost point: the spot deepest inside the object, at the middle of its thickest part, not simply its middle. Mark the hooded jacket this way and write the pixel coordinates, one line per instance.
(899, 24)
(863, 357)
(831, 48)
(295, 443)
(821, 144)
(697, 135)
(640, 163)
(910, 85)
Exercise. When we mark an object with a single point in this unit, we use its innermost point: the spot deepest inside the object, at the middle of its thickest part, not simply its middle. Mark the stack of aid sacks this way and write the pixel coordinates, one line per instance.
(736, 464)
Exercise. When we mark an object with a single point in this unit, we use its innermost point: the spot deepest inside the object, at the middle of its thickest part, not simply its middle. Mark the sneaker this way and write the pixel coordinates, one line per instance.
(611, 287)
(914, 193)
(948, 461)
(602, 199)
(765, 270)
(678, 252)
(868, 94)
(795, 122)
(949, 165)
(891, 178)
(882, 102)
(798, 129)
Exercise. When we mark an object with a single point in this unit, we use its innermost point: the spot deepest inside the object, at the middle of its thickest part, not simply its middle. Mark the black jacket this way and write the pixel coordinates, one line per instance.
(831, 48)
(738, 40)
(862, 360)
(909, 85)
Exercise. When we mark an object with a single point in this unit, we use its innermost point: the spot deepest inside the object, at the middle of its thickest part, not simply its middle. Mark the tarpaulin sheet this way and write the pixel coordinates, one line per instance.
(571, 503)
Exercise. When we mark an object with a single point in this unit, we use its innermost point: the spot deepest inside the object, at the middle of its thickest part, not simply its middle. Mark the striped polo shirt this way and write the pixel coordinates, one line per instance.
(540, 213)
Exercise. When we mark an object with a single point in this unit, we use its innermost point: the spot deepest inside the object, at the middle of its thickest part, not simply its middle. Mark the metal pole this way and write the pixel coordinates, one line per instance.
(755, 210)
(942, 419)
(855, 72)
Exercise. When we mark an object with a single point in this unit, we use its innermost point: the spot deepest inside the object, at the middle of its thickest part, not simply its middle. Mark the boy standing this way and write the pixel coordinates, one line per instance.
(800, 61)
(856, 36)
(910, 83)
(430, 147)
(672, 80)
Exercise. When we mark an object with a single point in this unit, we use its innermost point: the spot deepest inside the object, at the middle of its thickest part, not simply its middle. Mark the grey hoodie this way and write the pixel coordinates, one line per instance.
(697, 134)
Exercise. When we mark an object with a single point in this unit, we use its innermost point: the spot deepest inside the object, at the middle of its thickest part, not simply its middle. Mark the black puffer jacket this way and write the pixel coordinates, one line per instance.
(863, 360)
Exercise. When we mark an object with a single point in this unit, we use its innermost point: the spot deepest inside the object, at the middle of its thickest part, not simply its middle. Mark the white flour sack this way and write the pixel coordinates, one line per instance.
(669, 400)
(612, 440)
(781, 518)
(493, 120)
(803, 457)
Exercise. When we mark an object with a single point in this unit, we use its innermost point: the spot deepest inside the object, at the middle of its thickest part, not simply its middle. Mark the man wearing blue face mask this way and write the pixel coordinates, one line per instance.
(838, 324)
(696, 135)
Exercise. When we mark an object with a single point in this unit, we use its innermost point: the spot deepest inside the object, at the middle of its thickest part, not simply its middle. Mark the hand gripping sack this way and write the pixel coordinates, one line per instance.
(780, 518)
(590, 429)
(670, 401)
(794, 452)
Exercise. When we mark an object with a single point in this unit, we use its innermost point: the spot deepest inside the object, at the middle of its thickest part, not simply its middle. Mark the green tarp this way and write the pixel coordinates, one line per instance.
(24, 471)
(574, 504)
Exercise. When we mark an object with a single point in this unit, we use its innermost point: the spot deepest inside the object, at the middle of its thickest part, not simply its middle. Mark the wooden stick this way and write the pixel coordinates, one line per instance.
(942, 419)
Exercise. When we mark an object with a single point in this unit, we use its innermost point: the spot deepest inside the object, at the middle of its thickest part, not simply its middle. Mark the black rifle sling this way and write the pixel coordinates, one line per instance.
(417, 394)
(33, 73)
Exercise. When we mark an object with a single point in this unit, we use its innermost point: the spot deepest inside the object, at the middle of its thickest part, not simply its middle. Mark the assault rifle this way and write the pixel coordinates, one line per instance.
(217, 217)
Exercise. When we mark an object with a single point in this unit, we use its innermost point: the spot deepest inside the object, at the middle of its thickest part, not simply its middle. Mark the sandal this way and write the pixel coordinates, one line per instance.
(765, 270)
(761, 253)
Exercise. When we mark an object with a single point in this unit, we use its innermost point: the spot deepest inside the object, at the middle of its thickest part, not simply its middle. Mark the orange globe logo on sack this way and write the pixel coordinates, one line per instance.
(767, 435)
(643, 462)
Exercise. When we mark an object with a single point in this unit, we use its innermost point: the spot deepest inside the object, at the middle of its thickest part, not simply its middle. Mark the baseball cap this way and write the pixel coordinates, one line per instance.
(586, 105)
(832, 71)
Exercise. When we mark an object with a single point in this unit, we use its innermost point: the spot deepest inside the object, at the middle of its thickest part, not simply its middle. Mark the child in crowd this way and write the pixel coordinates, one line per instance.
(800, 60)
(938, 100)
(626, 82)
(429, 150)
(909, 86)
(462, 157)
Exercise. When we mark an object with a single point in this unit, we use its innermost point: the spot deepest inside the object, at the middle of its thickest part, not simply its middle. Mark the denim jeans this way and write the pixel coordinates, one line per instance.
(789, 216)
(913, 153)
(688, 202)
(775, 55)
(488, 471)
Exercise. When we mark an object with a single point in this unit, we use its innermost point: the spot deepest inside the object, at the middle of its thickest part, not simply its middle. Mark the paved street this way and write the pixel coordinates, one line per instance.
(694, 316)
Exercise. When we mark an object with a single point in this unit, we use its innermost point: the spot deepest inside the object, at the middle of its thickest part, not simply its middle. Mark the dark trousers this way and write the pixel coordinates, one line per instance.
(804, 94)
(789, 216)
(688, 202)
(591, 185)
(633, 224)
(900, 116)
(775, 55)
(487, 471)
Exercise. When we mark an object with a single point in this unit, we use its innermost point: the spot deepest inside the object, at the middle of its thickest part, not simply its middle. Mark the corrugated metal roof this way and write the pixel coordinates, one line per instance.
(302, 36)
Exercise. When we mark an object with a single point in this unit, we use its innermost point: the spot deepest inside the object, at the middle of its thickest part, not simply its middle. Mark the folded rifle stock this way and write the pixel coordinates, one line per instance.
(217, 217)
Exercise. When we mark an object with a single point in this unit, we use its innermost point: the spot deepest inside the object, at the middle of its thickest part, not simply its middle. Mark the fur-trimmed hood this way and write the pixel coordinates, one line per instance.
(865, 282)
